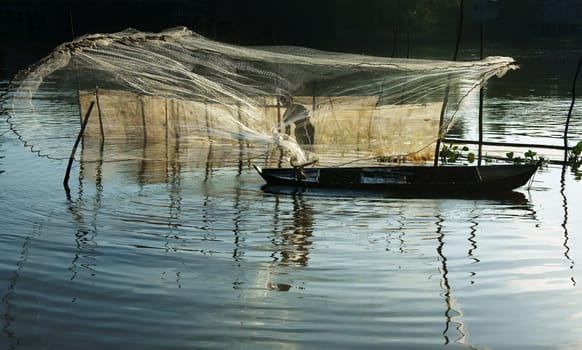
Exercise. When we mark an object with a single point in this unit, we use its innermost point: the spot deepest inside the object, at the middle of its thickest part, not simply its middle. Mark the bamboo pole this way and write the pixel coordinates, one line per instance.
(240, 140)
(571, 109)
(446, 98)
(509, 144)
(74, 150)
(480, 150)
(100, 116)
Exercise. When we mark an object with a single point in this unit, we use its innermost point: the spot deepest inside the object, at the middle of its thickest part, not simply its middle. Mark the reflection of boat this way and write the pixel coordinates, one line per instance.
(407, 180)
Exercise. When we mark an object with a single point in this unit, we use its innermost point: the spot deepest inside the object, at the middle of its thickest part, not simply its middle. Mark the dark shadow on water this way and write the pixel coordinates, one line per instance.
(565, 222)
(290, 240)
(293, 238)
(84, 215)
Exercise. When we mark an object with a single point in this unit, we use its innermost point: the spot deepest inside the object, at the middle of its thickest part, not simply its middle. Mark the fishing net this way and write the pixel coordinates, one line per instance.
(177, 87)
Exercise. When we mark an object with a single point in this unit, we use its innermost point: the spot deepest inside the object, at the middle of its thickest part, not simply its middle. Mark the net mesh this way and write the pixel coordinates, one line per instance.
(178, 85)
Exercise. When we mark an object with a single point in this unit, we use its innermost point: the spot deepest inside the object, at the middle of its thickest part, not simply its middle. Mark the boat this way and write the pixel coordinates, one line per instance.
(407, 180)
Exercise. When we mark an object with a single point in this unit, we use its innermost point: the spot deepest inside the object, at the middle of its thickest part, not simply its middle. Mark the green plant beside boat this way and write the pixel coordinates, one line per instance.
(575, 160)
(451, 154)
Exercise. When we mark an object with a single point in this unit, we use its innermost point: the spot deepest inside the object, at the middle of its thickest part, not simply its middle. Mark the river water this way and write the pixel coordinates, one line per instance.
(181, 254)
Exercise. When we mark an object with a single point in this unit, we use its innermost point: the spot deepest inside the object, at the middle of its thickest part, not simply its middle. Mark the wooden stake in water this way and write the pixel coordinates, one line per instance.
(571, 109)
(100, 116)
(480, 150)
(446, 98)
(74, 150)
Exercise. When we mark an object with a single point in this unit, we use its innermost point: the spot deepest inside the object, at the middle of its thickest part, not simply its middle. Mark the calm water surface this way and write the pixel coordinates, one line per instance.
(168, 254)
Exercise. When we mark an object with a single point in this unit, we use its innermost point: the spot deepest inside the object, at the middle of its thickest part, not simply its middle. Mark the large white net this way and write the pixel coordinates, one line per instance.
(178, 85)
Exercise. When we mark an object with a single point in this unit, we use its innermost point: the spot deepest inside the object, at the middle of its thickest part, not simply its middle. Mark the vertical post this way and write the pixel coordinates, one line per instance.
(408, 43)
(167, 125)
(571, 109)
(207, 120)
(100, 116)
(480, 150)
(71, 21)
(279, 120)
(394, 40)
(209, 156)
(143, 121)
(314, 100)
(74, 150)
(446, 98)
(240, 140)
(281, 128)
(459, 31)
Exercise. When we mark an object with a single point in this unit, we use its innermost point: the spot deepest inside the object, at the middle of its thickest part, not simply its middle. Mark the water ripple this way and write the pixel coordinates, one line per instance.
(171, 254)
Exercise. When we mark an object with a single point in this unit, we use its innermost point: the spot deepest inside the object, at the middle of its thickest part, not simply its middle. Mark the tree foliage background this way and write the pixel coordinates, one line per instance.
(379, 27)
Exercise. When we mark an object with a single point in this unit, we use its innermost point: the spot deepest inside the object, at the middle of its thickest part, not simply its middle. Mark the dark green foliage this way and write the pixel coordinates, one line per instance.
(451, 154)
(575, 160)
(528, 157)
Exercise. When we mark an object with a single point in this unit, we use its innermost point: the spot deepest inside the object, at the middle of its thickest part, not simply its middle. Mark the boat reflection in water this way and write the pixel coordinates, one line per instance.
(149, 163)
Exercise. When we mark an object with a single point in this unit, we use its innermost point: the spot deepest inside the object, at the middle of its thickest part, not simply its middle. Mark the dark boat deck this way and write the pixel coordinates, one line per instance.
(407, 180)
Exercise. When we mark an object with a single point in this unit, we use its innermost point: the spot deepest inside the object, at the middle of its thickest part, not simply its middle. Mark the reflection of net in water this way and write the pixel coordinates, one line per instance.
(179, 85)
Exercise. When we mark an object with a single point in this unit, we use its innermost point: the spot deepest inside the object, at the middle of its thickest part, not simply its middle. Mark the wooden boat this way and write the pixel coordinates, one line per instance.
(407, 180)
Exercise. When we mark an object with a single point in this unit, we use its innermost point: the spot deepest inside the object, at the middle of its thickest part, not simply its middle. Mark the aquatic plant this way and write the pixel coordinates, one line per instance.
(451, 154)
(528, 157)
(575, 160)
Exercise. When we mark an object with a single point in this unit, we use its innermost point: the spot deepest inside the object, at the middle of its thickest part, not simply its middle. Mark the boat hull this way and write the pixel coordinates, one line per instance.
(407, 180)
